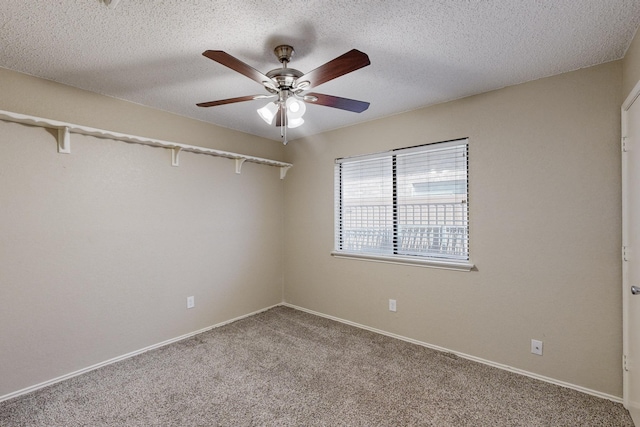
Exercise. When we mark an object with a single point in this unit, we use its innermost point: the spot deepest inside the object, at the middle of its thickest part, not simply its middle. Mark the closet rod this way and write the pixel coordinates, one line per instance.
(64, 141)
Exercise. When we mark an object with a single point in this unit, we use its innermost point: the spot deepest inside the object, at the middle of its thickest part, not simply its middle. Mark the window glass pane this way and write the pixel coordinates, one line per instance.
(366, 205)
(432, 203)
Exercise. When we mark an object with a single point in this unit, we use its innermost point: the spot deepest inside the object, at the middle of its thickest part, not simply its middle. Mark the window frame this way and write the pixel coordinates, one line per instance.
(443, 262)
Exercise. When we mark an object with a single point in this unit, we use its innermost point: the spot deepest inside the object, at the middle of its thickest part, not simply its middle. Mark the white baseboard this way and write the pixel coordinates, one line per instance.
(125, 356)
(465, 356)
(337, 319)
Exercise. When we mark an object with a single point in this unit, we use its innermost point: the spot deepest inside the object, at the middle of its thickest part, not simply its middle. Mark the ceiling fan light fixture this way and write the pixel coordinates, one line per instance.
(295, 109)
(294, 123)
(268, 112)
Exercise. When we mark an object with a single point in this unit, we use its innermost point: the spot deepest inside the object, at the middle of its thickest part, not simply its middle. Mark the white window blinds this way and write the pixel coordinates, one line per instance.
(410, 202)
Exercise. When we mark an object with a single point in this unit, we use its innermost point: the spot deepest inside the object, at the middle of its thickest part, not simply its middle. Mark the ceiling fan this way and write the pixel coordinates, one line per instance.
(287, 86)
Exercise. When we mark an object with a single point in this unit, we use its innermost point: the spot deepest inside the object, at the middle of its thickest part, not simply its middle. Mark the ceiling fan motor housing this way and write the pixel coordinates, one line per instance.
(284, 77)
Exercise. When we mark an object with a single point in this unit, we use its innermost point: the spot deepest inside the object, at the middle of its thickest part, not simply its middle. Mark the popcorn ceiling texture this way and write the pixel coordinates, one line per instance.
(422, 52)
(288, 368)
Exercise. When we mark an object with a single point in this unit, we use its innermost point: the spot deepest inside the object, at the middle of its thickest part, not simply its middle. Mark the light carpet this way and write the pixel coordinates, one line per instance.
(284, 367)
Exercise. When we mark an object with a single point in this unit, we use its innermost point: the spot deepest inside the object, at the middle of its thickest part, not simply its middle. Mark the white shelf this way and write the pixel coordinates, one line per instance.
(65, 130)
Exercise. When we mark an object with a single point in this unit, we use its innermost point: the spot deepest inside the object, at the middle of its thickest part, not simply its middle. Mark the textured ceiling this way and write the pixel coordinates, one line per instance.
(422, 52)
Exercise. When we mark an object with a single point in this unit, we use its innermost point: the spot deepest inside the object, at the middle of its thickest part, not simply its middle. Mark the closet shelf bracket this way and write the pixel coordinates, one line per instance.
(283, 171)
(239, 163)
(175, 156)
(64, 140)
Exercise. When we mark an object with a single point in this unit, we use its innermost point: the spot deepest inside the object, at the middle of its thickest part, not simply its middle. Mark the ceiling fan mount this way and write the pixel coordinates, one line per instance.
(288, 84)
(284, 52)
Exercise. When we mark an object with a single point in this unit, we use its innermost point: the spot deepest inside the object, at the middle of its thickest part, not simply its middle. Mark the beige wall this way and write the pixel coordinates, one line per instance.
(100, 248)
(545, 230)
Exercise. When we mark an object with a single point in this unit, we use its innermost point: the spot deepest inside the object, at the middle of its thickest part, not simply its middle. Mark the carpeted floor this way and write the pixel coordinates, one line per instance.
(284, 367)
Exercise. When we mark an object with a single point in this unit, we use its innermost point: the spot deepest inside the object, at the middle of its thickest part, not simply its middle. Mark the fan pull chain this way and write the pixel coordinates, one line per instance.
(283, 124)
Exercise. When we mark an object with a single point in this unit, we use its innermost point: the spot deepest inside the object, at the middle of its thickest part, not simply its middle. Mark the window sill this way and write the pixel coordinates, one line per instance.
(418, 262)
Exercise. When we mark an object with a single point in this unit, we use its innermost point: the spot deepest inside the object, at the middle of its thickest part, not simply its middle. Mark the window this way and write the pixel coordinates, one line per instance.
(409, 205)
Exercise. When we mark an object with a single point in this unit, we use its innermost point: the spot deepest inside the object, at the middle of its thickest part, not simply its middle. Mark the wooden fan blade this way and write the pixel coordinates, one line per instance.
(236, 65)
(338, 102)
(227, 101)
(344, 64)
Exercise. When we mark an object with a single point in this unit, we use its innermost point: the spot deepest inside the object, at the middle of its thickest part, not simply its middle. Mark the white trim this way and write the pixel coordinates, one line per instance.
(415, 261)
(585, 390)
(126, 356)
(631, 98)
(66, 128)
(625, 276)
(633, 95)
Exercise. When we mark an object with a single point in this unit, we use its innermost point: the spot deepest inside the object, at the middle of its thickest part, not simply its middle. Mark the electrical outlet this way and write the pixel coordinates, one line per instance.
(536, 347)
(392, 305)
(191, 302)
